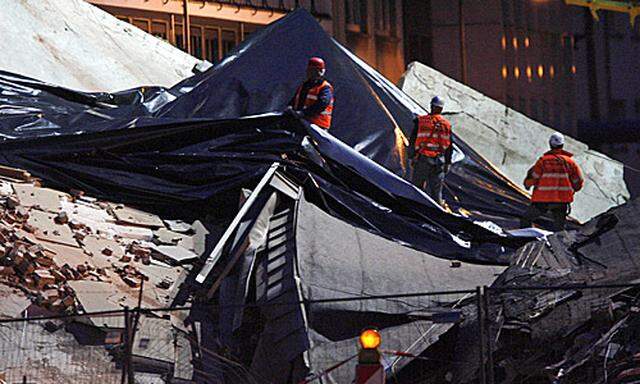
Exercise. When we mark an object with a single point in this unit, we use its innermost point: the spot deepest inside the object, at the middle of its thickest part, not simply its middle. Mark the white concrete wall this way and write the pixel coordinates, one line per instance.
(512, 141)
(74, 44)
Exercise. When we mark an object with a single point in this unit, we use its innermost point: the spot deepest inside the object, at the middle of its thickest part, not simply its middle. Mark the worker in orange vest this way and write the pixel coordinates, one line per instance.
(431, 150)
(555, 178)
(314, 99)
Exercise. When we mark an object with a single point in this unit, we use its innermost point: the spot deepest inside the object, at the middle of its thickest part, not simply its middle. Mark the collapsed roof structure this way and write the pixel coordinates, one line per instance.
(327, 214)
(71, 43)
(513, 142)
(543, 326)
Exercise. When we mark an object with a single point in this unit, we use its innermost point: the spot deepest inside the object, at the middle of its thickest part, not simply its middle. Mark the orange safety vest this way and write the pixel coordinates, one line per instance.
(434, 135)
(323, 119)
(555, 178)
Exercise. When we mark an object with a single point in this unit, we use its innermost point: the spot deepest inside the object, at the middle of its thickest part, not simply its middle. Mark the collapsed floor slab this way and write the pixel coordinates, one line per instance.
(512, 141)
(73, 44)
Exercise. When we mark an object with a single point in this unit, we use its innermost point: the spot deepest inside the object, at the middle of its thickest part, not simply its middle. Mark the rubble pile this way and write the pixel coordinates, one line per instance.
(49, 238)
(546, 328)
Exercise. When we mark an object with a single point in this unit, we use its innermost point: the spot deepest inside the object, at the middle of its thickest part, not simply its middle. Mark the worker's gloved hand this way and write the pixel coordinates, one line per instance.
(291, 111)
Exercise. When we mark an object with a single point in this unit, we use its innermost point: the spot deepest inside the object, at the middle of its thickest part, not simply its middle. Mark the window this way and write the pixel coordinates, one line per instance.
(356, 15)
(386, 16)
(196, 41)
(142, 24)
(228, 41)
(212, 44)
(179, 37)
(159, 29)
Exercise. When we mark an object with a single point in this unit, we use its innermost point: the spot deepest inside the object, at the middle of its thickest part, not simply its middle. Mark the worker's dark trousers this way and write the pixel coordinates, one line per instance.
(430, 171)
(559, 212)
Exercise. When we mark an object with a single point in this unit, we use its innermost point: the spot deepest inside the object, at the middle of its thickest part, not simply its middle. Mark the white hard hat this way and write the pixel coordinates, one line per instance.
(556, 140)
(437, 102)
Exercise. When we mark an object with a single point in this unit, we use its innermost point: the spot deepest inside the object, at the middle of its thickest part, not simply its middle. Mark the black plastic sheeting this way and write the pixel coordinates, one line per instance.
(169, 149)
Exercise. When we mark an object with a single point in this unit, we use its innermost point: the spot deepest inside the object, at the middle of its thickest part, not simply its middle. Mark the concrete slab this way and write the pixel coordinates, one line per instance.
(77, 45)
(512, 142)
(47, 229)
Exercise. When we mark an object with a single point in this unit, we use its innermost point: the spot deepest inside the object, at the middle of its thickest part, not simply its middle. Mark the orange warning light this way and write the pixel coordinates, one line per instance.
(370, 339)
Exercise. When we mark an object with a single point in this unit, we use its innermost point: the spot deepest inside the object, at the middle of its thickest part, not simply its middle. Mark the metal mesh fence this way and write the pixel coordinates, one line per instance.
(545, 334)
(44, 352)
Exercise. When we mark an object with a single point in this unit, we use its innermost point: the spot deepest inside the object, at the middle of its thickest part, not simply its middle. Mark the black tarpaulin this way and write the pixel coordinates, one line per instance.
(188, 148)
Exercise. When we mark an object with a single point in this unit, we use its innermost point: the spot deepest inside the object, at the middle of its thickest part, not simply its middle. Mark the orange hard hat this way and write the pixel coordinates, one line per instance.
(316, 62)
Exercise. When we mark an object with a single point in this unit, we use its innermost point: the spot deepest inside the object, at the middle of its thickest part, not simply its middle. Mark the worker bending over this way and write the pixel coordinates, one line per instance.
(314, 98)
(555, 178)
(431, 150)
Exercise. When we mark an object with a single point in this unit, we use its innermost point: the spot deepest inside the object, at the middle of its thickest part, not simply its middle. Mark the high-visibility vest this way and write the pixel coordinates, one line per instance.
(555, 178)
(434, 135)
(323, 119)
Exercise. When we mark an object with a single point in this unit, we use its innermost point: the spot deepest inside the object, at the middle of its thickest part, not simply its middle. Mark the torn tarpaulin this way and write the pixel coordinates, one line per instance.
(374, 117)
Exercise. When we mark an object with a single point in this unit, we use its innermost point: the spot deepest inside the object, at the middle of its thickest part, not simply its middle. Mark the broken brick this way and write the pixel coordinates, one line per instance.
(50, 295)
(107, 251)
(61, 218)
(68, 301)
(12, 202)
(43, 278)
(45, 261)
(125, 258)
(59, 276)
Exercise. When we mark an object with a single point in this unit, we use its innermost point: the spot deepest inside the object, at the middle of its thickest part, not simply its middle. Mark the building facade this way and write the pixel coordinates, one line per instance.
(551, 61)
(520, 52)
(210, 29)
